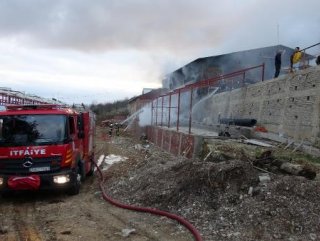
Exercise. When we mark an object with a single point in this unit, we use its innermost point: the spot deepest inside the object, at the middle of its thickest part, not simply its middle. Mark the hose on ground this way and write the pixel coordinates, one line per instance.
(181, 220)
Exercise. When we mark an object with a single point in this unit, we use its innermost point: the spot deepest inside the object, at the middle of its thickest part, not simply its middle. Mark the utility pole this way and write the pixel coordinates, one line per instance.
(278, 34)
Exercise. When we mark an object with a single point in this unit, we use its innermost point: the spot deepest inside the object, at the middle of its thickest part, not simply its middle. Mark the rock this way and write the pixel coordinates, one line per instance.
(250, 191)
(313, 236)
(264, 178)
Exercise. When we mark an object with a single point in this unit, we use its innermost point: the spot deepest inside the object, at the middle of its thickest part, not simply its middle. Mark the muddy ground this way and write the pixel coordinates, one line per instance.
(222, 197)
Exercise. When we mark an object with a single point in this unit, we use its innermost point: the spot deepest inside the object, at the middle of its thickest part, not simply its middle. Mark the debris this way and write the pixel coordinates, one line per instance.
(313, 236)
(127, 231)
(260, 169)
(207, 156)
(186, 151)
(225, 132)
(298, 170)
(298, 146)
(250, 191)
(264, 178)
(98, 193)
(267, 161)
(213, 193)
(138, 147)
(257, 143)
(289, 144)
(260, 129)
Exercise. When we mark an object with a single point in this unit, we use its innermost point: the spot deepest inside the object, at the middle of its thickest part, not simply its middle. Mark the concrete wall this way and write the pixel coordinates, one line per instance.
(288, 106)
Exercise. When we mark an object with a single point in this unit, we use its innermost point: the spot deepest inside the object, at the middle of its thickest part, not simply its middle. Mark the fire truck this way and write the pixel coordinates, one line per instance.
(45, 147)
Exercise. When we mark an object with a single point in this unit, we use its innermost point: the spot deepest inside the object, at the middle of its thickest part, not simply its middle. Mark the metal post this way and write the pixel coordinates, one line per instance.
(244, 77)
(157, 112)
(152, 112)
(162, 111)
(190, 110)
(169, 110)
(262, 77)
(179, 93)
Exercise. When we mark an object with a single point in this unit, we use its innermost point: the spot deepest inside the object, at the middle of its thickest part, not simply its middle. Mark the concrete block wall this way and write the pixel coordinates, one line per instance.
(288, 106)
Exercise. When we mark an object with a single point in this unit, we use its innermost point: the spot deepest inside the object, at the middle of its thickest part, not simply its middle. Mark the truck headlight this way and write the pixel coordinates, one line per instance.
(61, 179)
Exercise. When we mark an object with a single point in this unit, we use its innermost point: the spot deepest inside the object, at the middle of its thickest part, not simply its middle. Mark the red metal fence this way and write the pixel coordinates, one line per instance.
(175, 108)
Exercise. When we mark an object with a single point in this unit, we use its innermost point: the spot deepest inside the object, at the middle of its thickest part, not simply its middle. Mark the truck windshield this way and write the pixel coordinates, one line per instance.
(21, 130)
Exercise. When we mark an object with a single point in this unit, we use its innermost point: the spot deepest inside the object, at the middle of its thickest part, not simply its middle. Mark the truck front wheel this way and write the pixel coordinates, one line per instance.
(91, 171)
(75, 188)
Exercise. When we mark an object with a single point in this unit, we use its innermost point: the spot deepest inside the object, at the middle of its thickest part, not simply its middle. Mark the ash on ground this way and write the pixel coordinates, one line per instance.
(224, 198)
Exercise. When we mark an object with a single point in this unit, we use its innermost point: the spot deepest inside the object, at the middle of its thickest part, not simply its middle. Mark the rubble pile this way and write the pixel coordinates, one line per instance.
(225, 197)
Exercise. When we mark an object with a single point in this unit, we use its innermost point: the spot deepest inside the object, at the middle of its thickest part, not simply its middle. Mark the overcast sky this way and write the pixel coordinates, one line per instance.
(82, 51)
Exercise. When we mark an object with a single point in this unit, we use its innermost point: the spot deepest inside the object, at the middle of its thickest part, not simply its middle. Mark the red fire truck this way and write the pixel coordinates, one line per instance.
(45, 147)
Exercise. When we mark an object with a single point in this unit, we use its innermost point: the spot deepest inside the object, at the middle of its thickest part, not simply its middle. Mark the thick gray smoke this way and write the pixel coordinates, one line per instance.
(195, 27)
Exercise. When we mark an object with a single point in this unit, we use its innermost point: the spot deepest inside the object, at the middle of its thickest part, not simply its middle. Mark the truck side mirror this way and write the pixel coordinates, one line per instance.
(80, 126)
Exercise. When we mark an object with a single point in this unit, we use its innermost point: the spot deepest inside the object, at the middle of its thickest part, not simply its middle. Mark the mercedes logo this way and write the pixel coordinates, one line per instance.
(28, 163)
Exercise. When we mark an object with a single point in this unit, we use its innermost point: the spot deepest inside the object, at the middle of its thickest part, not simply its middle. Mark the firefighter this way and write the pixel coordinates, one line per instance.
(110, 129)
(277, 62)
(117, 129)
(295, 57)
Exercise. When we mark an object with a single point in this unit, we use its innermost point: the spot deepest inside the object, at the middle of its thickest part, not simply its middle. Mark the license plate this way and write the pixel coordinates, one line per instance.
(39, 169)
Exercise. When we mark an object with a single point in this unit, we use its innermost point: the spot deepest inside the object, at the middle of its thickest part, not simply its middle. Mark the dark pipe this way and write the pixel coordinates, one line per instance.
(238, 122)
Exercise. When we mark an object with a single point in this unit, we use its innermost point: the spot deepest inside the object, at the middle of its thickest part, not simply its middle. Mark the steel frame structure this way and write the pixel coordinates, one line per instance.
(163, 105)
(10, 97)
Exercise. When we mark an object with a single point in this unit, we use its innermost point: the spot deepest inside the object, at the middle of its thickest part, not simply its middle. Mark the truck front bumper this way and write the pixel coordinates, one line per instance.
(48, 181)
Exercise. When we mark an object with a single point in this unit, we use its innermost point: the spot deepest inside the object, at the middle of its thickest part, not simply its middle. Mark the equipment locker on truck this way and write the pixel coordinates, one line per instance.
(45, 147)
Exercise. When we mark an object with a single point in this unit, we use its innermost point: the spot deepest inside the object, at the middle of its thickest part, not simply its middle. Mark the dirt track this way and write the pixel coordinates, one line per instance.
(54, 216)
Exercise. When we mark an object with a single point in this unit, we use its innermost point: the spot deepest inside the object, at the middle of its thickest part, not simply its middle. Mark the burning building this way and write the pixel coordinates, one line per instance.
(233, 86)
(210, 67)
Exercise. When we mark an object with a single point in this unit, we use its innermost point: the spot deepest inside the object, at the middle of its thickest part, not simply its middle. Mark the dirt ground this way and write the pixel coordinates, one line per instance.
(223, 197)
(59, 217)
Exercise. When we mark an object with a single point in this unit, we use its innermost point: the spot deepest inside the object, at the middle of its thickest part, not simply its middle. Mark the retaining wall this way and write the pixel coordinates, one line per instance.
(288, 106)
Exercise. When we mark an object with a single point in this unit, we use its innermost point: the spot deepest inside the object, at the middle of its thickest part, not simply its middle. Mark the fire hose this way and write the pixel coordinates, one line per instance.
(154, 211)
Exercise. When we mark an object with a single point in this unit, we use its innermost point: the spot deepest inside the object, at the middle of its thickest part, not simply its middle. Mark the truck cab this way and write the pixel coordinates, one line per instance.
(45, 147)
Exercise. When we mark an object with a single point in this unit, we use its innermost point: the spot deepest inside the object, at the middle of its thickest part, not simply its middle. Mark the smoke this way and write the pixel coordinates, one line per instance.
(145, 116)
(168, 26)
(153, 37)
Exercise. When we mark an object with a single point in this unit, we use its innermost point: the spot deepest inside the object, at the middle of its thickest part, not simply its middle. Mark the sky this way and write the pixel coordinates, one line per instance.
(98, 51)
